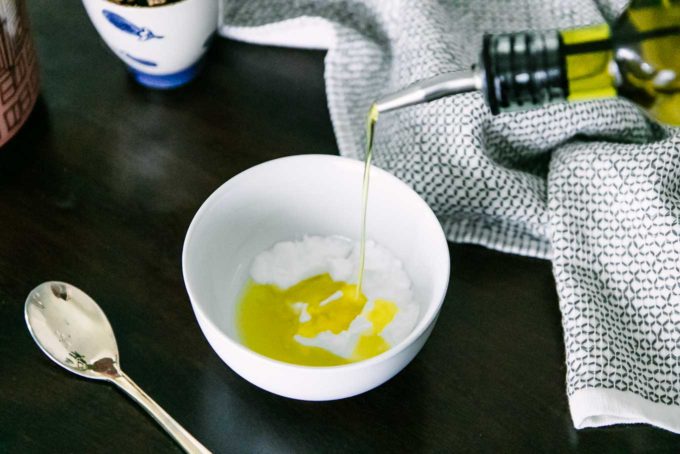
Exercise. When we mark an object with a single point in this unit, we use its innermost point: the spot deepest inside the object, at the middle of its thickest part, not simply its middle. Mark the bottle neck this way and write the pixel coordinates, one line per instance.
(524, 69)
(637, 61)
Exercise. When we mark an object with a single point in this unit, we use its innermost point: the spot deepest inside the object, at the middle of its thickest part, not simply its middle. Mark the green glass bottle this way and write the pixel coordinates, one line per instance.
(637, 57)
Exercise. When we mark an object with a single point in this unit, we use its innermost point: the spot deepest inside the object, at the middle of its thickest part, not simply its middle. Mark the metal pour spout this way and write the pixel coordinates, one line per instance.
(430, 89)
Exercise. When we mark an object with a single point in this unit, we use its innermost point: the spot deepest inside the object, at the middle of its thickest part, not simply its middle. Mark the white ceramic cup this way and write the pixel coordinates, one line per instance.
(161, 45)
(283, 200)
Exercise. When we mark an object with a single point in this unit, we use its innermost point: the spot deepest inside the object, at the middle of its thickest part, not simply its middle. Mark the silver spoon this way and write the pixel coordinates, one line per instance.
(74, 332)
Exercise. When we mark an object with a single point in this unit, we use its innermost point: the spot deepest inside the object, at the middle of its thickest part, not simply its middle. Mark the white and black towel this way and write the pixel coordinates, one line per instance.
(593, 186)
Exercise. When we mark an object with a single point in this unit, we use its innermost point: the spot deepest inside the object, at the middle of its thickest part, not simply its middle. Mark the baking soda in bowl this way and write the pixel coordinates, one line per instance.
(302, 304)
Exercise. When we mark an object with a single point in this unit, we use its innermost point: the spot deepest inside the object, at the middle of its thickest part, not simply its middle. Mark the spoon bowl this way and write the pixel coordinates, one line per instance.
(74, 332)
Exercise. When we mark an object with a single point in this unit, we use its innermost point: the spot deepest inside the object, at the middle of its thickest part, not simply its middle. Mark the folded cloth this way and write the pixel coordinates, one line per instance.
(593, 186)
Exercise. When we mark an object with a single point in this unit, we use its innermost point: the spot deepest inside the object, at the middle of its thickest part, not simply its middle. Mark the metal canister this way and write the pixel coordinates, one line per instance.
(19, 75)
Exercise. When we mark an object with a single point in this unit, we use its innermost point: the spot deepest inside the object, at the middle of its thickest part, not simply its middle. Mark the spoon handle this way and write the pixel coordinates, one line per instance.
(172, 427)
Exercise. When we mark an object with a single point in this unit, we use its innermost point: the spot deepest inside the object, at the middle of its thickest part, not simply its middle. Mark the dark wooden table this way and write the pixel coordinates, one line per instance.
(98, 190)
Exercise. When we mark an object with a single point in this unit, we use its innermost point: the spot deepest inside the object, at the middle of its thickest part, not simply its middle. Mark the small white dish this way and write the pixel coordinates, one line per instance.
(285, 199)
(161, 45)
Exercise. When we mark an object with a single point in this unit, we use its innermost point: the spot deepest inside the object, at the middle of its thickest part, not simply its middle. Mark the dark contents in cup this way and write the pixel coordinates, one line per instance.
(143, 2)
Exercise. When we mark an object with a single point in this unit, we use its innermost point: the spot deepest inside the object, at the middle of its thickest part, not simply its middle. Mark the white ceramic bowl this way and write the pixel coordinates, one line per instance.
(283, 200)
(161, 45)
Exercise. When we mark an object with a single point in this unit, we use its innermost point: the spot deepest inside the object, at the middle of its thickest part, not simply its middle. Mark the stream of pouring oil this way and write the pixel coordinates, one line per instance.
(371, 120)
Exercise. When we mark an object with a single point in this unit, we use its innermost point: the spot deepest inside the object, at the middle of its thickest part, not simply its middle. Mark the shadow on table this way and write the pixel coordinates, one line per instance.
(249, 419)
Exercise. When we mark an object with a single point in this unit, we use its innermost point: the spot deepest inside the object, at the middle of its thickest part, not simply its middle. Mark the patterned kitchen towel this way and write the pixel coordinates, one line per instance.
(593, 186)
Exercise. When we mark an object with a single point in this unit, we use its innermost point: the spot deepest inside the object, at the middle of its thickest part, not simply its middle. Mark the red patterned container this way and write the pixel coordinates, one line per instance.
(19, 82)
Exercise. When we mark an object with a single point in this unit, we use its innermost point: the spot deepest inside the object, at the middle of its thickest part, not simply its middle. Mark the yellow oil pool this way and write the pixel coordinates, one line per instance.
(270, 319)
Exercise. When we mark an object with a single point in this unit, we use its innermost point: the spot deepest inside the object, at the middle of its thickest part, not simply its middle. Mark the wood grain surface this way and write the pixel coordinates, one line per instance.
(99, 188)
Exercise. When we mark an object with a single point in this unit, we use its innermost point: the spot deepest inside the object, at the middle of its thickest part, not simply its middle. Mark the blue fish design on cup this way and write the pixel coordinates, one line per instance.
(118, 21)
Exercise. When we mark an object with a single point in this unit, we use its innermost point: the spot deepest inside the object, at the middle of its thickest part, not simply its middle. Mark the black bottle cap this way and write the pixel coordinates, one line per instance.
(523, 69)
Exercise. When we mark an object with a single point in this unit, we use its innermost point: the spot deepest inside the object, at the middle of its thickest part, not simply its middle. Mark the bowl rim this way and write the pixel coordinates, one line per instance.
(428, 318)
(143, 8)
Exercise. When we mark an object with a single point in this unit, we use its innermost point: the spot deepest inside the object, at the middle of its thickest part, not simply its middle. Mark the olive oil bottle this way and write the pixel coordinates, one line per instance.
(637, 57)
